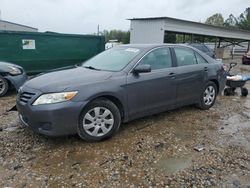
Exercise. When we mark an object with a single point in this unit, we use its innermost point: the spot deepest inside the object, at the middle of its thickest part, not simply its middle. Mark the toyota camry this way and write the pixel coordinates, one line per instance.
(118, 85)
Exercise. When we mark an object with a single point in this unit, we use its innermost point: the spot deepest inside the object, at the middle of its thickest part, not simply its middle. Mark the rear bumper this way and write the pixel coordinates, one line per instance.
(222, 83)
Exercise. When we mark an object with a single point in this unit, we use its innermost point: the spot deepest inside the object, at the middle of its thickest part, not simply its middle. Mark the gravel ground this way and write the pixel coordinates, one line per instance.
(156, 151)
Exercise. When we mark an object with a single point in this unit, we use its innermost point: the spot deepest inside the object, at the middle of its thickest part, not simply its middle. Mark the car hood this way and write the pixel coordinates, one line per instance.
(61, 80)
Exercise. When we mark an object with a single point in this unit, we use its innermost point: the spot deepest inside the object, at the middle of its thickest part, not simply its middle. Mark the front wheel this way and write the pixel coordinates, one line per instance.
(99, 120)
(4, 86)
(208, 96)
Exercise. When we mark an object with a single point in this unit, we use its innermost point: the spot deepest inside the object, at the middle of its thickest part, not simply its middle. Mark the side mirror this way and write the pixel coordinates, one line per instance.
(142, 69)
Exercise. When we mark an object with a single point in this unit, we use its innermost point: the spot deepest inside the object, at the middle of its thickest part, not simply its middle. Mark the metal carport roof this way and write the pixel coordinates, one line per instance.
(196, 28)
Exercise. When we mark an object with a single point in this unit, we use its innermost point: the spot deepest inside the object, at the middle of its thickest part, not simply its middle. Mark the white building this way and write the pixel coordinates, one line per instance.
(9, 26)
(153, 30)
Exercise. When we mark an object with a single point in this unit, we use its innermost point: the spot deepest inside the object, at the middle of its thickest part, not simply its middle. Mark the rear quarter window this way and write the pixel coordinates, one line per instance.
(200, 59)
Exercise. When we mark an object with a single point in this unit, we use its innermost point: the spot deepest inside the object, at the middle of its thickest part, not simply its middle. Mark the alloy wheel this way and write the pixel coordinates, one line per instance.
(2, 86)
(209, 95)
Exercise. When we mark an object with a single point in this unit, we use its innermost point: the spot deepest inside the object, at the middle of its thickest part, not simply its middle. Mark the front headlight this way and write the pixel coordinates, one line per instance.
(55, 98)
(14, 70)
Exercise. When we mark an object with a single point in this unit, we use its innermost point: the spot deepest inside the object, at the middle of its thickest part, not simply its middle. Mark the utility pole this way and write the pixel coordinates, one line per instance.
(98, 29)
(0, 15)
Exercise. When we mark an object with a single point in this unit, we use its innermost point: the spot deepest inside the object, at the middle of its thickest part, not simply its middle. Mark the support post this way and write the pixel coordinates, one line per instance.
(219, 43)
(233, 50)
(215, 45)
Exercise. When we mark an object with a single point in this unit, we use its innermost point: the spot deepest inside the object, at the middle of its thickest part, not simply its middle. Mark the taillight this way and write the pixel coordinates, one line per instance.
(224, 67)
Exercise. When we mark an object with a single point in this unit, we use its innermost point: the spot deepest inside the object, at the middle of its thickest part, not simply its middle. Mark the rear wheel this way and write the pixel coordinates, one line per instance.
(99, 120)
(208, 96)
(4, 86)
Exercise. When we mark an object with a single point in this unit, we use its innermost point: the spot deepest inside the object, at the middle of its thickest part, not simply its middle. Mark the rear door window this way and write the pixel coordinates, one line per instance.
(185, 57)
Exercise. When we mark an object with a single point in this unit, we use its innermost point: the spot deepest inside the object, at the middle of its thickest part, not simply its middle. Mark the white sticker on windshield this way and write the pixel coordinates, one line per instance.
(132, 50)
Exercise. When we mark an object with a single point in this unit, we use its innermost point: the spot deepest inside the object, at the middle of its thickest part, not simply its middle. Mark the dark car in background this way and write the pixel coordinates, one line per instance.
(121, 84)
(204, 48)
(246, 58)
(11, 76)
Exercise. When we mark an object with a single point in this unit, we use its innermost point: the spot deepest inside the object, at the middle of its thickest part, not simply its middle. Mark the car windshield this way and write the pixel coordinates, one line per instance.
(114, 59)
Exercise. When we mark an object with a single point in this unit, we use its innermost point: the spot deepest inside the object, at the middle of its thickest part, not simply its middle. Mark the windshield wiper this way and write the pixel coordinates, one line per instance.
(92, 68)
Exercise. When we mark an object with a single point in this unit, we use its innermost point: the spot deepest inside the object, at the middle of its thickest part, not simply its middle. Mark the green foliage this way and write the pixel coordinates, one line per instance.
(242, 22)
(121, 36)
(231, 21)
(169, 37)
(216, 19)
(244, 19)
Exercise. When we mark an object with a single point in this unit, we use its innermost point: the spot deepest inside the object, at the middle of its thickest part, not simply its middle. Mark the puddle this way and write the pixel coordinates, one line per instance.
(183, 134)
(2, 172)
(247, 104)
(235, 128)
(173, 165)
(11, 129)
(235, 181)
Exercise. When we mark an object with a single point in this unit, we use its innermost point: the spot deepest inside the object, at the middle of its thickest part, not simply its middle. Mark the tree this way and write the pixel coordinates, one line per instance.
(121, 36)
(244, 19)
(231, 21)
(169, 37)
(242, 22)
(216, 19)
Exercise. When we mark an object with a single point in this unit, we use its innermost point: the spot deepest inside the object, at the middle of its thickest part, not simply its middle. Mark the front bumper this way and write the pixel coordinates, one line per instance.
(50, 119)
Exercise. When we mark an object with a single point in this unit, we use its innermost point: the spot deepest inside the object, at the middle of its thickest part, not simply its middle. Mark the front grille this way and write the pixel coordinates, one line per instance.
(25, 97)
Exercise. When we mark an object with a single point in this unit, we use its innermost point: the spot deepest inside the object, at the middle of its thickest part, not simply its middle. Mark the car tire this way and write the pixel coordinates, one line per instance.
(99, 120)
(4, 86)
(208, 96)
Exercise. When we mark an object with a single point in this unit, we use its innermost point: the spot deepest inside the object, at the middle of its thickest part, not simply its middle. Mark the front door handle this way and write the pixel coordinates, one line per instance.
(205, 69)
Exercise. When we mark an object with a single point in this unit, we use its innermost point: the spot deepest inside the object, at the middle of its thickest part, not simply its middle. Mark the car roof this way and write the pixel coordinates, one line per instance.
(198, 44)
(150, 46)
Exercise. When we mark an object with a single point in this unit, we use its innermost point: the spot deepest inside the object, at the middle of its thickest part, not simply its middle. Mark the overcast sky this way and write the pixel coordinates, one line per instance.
(83, 16)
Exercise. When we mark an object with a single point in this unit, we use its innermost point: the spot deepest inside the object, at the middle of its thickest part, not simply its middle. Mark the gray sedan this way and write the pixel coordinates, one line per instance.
(11, 76)
(119, 85)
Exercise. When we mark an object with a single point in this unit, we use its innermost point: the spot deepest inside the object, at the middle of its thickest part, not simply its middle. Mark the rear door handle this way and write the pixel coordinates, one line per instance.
(205, 69)
(172, 75)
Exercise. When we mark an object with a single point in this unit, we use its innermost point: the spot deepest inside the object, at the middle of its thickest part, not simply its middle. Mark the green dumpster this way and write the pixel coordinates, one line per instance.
(39, 52)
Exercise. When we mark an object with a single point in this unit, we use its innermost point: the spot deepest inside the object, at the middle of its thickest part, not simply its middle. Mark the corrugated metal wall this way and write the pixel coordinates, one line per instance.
(8, 26)
(146, 31)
